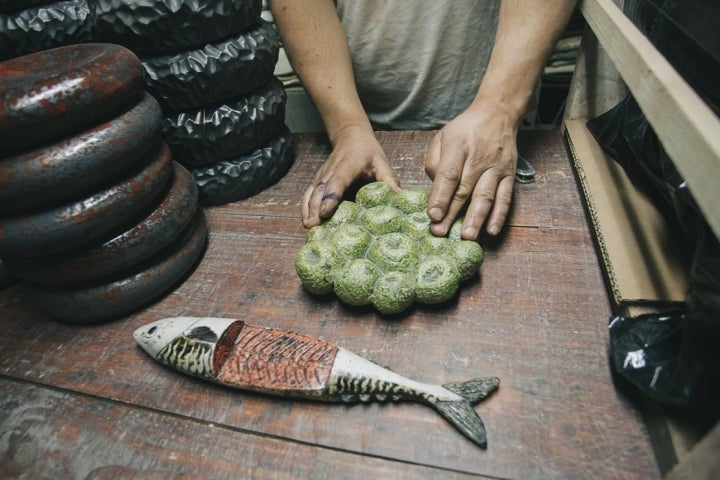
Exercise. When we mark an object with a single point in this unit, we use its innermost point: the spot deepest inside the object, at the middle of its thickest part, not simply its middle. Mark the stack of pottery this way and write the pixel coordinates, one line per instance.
(28, 26)
(94, 213)
(210, 64)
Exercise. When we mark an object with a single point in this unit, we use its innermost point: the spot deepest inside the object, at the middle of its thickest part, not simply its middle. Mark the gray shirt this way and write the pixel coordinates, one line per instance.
(418, 63)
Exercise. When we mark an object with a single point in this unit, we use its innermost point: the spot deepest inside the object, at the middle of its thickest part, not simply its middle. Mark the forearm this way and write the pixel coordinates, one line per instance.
(317, 47)
(527, 32)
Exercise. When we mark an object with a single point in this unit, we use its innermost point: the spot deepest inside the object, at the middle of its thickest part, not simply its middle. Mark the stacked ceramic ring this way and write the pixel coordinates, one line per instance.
(210, 64)
(27, 26)
(94, 213)
(7, 278)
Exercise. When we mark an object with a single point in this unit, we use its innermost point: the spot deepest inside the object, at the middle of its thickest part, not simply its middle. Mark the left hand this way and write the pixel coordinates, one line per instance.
(473, 159)
(356, 154)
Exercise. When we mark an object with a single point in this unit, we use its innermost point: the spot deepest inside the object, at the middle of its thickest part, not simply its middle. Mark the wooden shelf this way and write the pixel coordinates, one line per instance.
(616, 57)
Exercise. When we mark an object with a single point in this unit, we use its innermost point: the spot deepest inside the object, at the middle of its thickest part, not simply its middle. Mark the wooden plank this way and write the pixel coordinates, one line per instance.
(687, 128)
(535, 317)
(675, 433)
(703, 462)
(596, 85)
(54, 434)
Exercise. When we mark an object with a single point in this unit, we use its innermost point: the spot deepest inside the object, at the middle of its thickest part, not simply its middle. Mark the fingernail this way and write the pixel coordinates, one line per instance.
(438, 230)
(493, 230)
(435, 214)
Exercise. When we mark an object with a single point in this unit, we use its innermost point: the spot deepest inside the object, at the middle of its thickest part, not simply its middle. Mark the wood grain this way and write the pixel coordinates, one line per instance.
(53, 434)
(536, 317)
(596, 85)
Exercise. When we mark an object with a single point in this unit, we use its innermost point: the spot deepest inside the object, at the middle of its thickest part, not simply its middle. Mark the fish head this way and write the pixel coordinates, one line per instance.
(155, 336)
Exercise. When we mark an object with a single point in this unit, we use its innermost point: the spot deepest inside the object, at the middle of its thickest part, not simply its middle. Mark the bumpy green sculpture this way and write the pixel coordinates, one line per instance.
(379, 250)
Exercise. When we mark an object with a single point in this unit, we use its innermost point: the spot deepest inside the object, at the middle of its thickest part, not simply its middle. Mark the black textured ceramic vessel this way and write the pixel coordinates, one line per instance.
(151, 27)
(214, 73)
(12, 6)
(231, 180)
(45, 26)
(7, 277)
(208, 135)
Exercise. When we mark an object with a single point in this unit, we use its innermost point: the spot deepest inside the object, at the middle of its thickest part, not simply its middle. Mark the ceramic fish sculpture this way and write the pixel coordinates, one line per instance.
(278, 362)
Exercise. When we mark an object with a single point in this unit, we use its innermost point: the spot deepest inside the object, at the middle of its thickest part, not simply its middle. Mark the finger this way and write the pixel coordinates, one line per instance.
(330, 194)
(501, 207)
(441, 228)
(445, 191)
(483, 198)
(311, 204)
(305, 204)
(457, 202)
(385, 173)
(330, 198)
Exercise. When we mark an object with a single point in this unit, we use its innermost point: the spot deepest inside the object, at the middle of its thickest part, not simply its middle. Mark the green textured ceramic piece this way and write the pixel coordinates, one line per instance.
(379, 250)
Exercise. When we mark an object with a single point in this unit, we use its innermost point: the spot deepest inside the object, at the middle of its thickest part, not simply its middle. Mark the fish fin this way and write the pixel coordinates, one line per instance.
(462, 415)
(474, 390)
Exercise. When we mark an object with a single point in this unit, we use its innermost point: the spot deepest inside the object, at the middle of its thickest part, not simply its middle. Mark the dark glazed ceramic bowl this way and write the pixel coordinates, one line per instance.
(52, 24)
(91, 219)
(59, 92)
(125, 251)
(80, 164)
(98, 303)
(7, 277)
(13, 6)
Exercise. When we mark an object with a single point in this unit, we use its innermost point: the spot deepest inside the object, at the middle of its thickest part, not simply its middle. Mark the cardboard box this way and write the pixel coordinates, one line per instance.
(642, 262)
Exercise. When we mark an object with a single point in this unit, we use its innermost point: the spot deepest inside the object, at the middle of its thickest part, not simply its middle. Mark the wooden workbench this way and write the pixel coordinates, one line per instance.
(86, 402)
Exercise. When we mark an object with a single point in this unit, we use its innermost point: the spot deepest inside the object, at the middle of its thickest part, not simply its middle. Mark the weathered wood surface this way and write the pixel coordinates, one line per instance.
(536, 317)
(62, 435)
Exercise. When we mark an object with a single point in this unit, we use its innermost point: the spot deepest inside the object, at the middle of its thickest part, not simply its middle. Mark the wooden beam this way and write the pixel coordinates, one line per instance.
(596, 86)
(703, 462)
(687, 128)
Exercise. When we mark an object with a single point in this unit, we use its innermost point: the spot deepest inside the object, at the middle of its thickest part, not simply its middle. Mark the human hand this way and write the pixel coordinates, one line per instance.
(473, 159)
(356, 154)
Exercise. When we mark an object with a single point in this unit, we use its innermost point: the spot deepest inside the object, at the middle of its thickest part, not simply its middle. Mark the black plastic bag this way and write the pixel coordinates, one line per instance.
(667, 358)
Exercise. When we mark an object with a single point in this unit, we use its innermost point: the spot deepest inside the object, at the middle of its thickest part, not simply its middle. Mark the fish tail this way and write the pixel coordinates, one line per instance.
(474, 390)
(462, 415)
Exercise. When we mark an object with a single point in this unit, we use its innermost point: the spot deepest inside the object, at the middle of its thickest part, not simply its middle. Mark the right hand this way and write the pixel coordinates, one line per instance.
(356, 155)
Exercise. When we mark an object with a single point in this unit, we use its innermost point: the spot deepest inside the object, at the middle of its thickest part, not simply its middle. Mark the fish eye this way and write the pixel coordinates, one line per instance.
(152, 330)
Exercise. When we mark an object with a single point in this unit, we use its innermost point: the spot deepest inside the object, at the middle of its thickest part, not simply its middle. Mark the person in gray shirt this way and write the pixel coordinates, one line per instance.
(466, 67)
